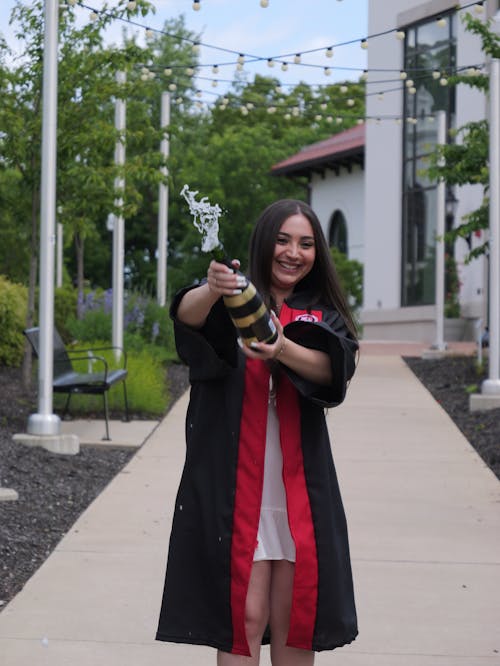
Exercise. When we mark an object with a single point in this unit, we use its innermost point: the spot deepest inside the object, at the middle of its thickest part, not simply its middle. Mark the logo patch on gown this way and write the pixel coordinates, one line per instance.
(306, 317)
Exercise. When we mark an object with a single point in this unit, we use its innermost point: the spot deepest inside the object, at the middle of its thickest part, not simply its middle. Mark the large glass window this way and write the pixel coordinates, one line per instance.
(429, 48)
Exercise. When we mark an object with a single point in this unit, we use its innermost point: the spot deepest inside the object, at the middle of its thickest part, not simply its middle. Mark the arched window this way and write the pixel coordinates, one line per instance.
(337, 235)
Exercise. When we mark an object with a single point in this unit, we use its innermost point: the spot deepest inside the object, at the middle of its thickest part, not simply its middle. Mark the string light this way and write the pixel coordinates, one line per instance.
(343, 89)
(167, 71)
(196, 47)
(270, 62)
(149, 33)
(436, 74)
(131, 5)
(215, 69)
(93, 16)
(443, 81)
(297, 59)
(403, 75)
(350, 102)
(327, 71)
(364, 76)
(264, 3)
(479, 8)
(400, 34)
(329, 52)
(172, 87)
(241, 59)
(196, 5)
(284, 67)
(364, 44)
(441, 22)
(412, 90)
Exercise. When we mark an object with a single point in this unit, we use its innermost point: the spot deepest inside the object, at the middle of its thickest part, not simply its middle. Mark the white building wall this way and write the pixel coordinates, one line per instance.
(382, 315)
(344, 192)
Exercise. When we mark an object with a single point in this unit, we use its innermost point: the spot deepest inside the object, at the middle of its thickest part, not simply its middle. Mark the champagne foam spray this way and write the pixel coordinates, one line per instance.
(205, 218)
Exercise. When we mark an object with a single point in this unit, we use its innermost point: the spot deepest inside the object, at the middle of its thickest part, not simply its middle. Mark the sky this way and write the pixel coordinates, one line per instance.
(284, 27)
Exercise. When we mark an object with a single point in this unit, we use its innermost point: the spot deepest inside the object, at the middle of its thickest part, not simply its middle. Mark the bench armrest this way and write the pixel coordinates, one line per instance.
(88, 357)
(94, 349)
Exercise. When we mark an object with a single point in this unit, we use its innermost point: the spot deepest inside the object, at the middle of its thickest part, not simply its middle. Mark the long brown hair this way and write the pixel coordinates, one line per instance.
(322, 282)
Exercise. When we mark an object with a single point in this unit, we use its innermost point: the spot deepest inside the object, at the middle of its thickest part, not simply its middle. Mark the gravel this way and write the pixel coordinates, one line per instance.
(54, 490)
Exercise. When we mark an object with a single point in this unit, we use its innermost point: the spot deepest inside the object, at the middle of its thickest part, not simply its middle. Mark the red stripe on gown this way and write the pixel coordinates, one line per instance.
(305, 583)
(248, 494)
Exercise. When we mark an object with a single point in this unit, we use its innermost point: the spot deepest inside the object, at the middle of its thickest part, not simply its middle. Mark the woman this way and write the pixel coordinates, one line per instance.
(259, 550)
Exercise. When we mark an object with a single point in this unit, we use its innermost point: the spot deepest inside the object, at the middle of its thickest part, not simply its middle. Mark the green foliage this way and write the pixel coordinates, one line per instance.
(13, 304)
(146, 386)
(65, 300)
(350, 273)
(467, 162)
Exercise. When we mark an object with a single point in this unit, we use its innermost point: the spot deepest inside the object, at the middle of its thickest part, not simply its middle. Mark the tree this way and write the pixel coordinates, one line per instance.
(467, 162)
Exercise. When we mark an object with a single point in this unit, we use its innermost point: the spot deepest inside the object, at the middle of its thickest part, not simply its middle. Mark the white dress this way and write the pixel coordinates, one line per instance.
(274, 540)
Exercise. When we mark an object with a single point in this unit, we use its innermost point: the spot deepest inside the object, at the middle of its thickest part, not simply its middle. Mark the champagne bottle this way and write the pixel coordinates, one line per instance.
(247, 310)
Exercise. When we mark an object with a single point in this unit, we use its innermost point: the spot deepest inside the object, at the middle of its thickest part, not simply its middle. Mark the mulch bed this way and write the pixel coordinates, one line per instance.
(54, 490)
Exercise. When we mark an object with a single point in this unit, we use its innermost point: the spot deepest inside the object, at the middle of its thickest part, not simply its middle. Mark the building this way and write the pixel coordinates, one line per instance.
(376, 199)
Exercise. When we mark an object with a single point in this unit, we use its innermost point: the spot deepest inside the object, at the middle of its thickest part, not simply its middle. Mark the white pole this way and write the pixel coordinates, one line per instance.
(45, 422)
(119, 224)
(440, 230)
(59, 263)
(161, 273)
(491, 386)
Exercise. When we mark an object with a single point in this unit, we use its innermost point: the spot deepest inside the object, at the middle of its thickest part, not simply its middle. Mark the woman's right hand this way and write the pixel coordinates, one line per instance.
(222, 281)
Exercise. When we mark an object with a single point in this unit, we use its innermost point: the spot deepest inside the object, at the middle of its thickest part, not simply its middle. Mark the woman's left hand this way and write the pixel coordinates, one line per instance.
(263, 350)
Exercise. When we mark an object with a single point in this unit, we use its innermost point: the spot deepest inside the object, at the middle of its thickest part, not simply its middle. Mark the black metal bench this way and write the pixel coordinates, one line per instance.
(66, 379)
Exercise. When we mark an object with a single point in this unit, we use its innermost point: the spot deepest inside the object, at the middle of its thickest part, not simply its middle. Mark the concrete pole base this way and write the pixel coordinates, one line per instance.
(481, 402)
(62, 444)
(8, 495)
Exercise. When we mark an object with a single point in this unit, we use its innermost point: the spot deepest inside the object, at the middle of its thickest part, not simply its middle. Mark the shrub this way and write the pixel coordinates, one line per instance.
(13, 308)
(350, 272)
(65, 300)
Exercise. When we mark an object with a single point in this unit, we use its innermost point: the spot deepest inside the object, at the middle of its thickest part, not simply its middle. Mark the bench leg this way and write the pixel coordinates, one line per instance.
(105, 398)
(66, 406)
(127, 417)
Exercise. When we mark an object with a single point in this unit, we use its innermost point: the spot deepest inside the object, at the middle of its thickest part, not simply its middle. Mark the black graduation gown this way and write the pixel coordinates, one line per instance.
(217, 508)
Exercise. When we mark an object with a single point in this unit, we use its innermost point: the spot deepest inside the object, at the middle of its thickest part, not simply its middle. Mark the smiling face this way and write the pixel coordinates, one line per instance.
(294, 254)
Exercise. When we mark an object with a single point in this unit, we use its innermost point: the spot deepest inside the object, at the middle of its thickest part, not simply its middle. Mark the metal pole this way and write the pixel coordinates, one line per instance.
(59, 262)
(45, 422)
(119, 224)
(440, 231)
(491, 386)
(161, 273)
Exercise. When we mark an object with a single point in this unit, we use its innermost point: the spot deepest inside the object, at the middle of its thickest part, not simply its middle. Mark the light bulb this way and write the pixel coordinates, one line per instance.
(441, 22)
(198, 93)
(195, 47)
(131, 5)
(271, 109)
(196, 5)
(350, 102)
(364, 44)
(144, 70)
(364, 76)
(264, 3)
(412, 90)
(214, 83)
(172, 86)
(329, 119)
(241, 59)
(93, 16)
(343, 89)
(380, 96)
(215, 69)
(167, 71)
(400, 34)
(250, 105)
(284, 67)
(225, 101)
(151, 75)
(149, 33)
(278, 89)
(436, 74)
(71, 3)
(403, 75)
(244, 110)
(443, 81)
(479, 8)
(270, 62)
(323, 106)
(329, 52)
(287, 116)
(190, 71)
(297, 59)
(327, 71)
(409, 83)
(339, 120)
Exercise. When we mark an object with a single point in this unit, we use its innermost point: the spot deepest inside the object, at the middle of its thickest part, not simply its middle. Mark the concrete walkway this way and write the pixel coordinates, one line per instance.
(424, 518)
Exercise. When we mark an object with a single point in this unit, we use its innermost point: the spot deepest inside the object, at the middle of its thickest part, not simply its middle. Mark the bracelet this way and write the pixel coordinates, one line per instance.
(282, 349)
